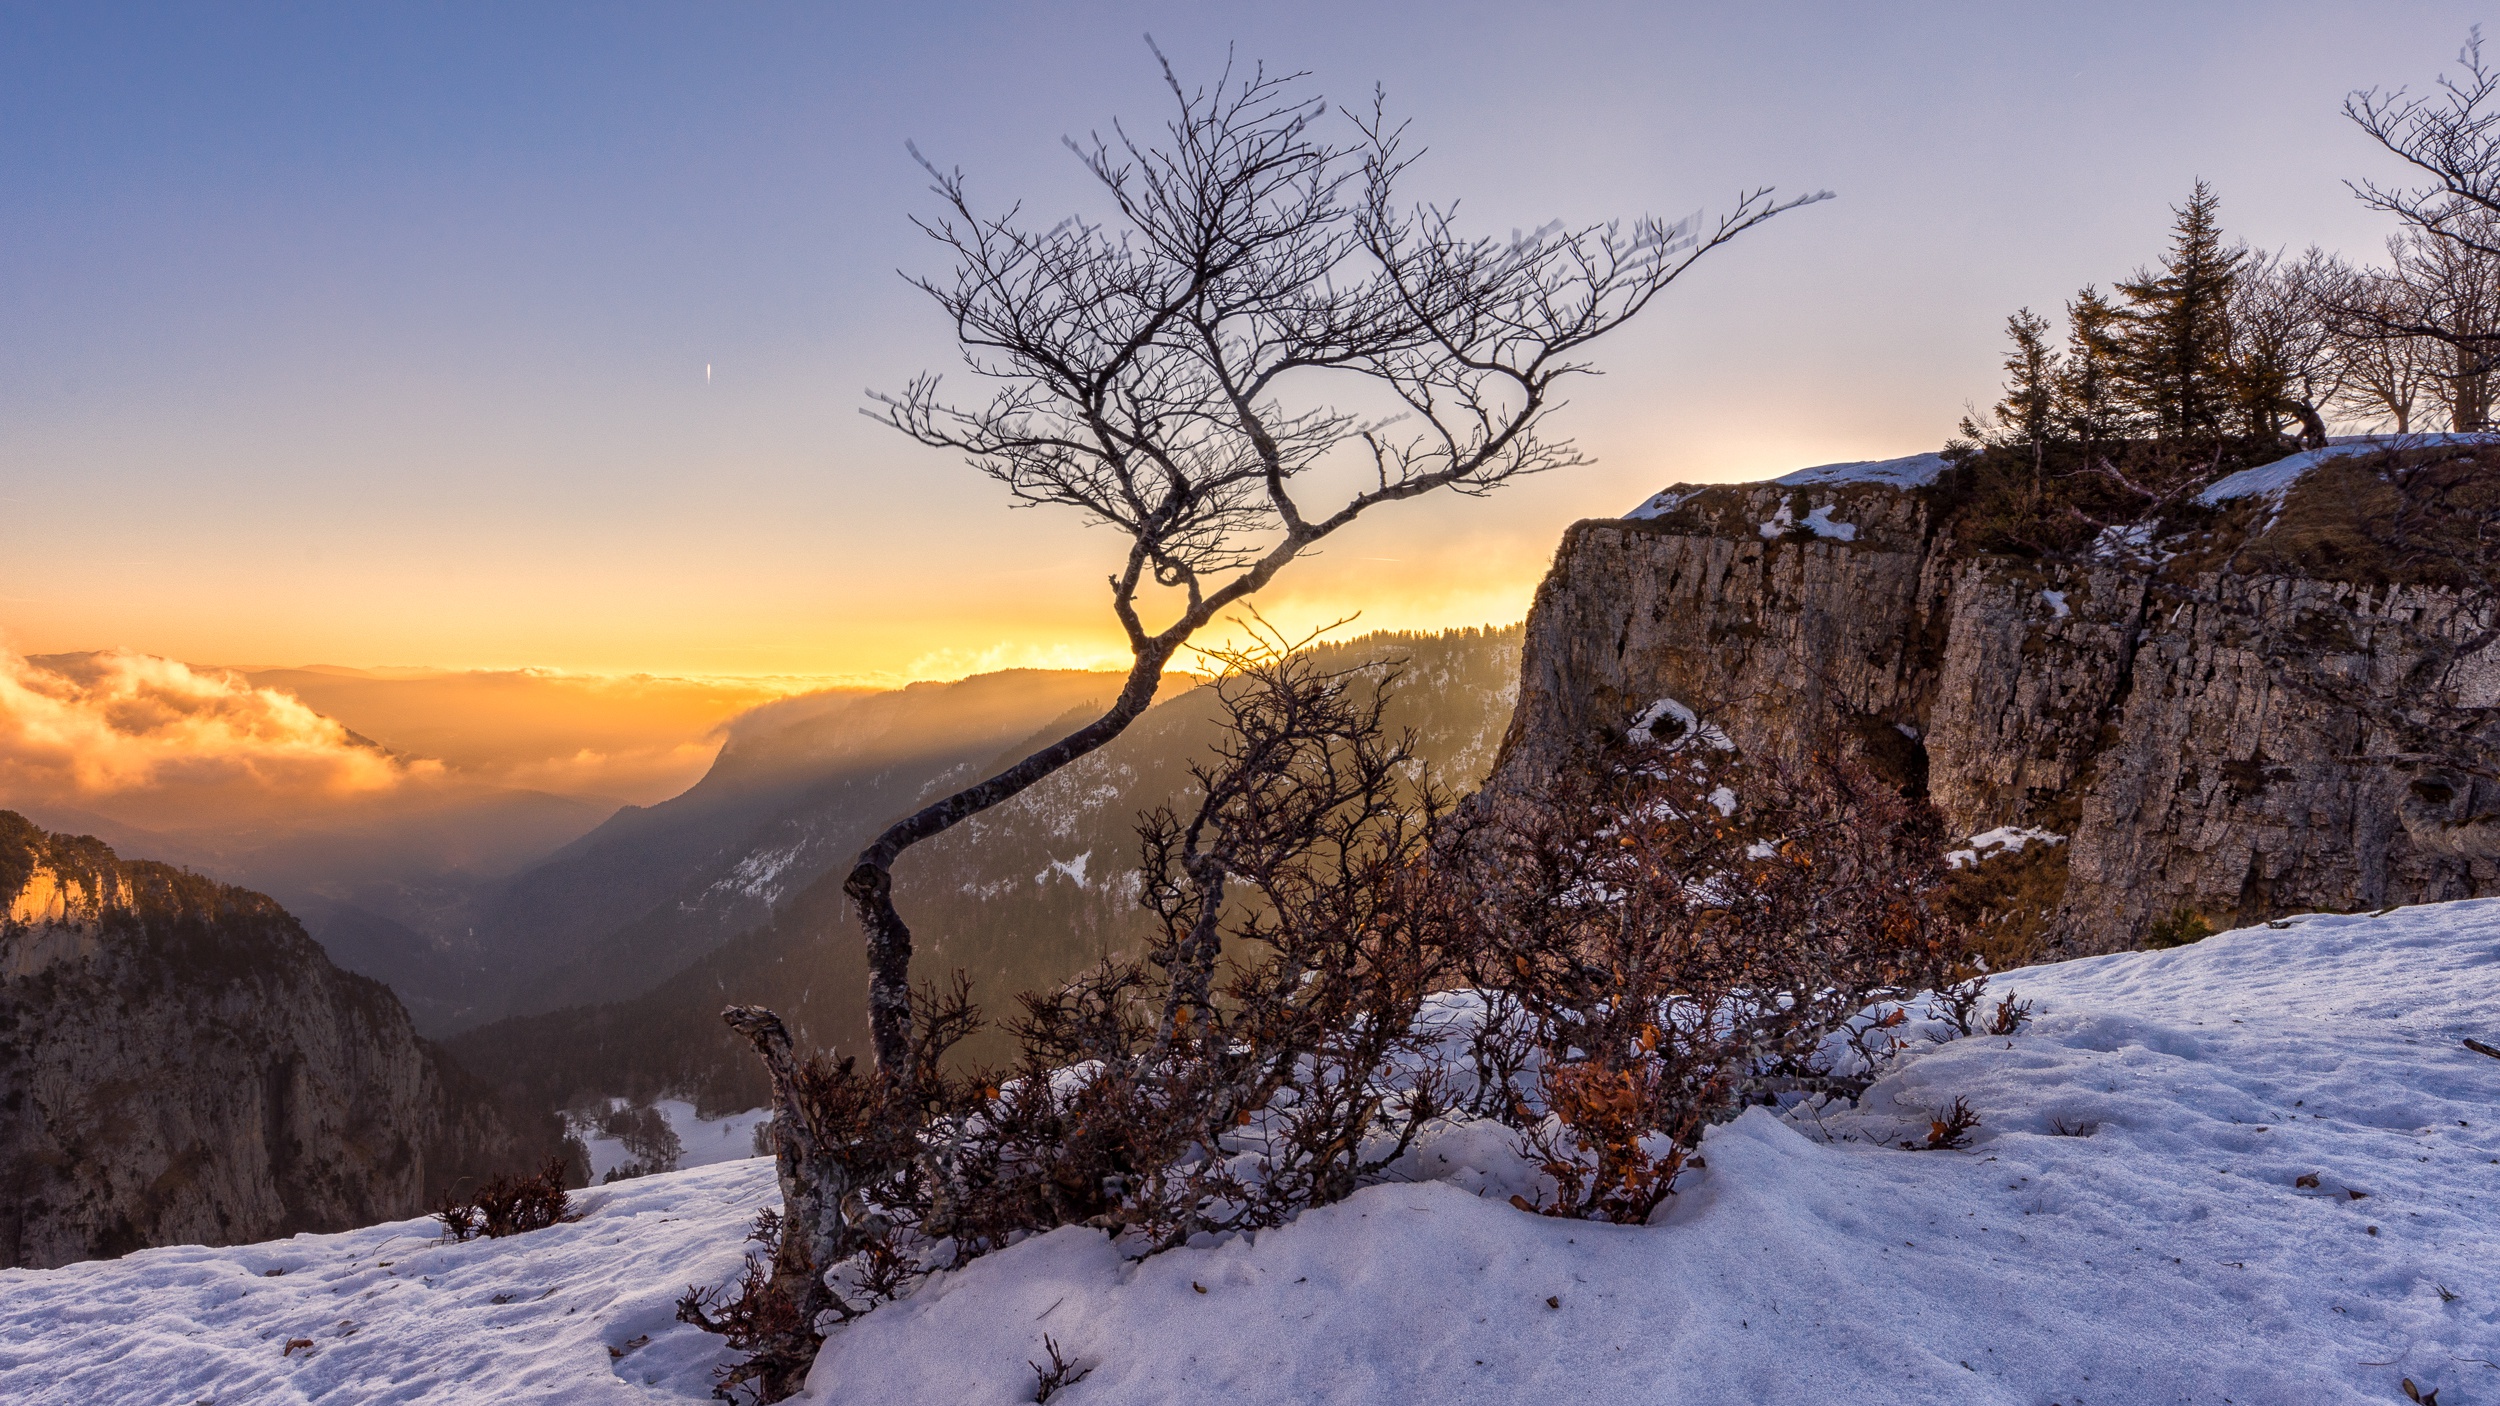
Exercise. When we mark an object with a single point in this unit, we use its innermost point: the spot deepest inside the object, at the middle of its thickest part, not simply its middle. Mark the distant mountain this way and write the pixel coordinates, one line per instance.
(178, 1062)
(1019, 898)
(799, 786)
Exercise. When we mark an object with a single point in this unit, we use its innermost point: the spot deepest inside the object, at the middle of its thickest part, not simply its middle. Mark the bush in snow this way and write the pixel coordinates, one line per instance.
(852, 1155)
(508, 1205)
(1262, 1057)
(1675, 932)
(1672, 934)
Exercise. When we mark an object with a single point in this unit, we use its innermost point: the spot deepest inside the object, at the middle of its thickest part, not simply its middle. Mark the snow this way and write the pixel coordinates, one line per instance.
(1690, 725)
(1072, 869)
(1819, 522)
(755, 876)
(1911, 472)
(2273, 480)
(2129, 542)
(395, 1315)
(2056, 601)
(1661, 503)
(2127, 1225)
(2005, 839)
(707, 1141)
(2169, 1255)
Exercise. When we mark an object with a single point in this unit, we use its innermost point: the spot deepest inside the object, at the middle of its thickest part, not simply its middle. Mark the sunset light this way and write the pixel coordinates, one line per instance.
(1349, 705)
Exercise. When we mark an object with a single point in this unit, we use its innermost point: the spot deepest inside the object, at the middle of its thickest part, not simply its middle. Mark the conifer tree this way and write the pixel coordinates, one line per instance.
(2175, 369)
(2030, 405)
(2029, 409)
(2088, 389)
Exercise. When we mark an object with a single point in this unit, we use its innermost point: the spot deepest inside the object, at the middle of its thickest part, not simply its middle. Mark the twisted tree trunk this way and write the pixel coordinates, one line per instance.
(871, 882)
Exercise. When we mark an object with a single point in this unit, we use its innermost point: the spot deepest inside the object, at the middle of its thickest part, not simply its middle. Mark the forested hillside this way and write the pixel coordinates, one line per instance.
(1018, 899)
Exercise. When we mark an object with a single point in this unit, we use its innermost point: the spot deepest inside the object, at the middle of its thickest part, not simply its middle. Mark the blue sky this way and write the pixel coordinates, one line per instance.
(377, 335)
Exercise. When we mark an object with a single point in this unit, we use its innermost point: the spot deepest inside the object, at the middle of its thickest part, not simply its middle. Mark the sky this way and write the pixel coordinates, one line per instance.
(379, 335)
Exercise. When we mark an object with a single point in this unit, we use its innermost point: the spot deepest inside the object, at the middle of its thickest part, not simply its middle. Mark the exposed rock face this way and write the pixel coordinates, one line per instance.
(179, 1063)
(2209, 738)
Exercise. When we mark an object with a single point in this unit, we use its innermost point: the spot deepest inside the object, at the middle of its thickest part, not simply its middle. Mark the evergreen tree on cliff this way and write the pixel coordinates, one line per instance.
(2089, 395)
(2030, 405)
(2175, 363)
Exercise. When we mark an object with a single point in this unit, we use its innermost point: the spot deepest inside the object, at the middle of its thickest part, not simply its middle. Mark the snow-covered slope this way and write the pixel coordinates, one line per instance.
(2169, 1255)
(704, 1141)
(2129, 1224)
(1909, 472)
(575, 1313)
(2272, 480)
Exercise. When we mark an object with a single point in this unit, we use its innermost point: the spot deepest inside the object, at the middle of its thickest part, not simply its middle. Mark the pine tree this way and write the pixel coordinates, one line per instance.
(2088, 384)
(2174, 367)
(2029, 409)
(2030, 405)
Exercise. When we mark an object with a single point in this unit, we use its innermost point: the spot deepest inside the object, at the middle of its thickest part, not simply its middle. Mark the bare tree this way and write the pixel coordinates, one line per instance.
(1168, 374)
(2285, 354)
(2451, 290)
(2452, 137)
(2386, 372)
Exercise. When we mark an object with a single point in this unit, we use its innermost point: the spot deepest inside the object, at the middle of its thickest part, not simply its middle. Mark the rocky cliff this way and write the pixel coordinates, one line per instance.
(2235, 715)
(179, 1063)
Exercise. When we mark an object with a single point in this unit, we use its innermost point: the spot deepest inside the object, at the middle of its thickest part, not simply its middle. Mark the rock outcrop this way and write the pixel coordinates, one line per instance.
(179, 1063)
(2214, 732)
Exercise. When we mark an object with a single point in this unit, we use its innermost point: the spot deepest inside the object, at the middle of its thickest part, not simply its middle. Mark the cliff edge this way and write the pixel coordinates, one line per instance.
(179, 1063)
(2271, 701)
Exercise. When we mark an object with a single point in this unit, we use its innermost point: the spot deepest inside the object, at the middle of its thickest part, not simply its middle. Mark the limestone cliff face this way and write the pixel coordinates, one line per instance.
(2209, 738)
(179, 1063)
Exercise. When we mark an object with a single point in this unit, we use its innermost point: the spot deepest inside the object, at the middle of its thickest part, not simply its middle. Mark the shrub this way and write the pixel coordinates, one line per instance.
(1681, 933)
(509, 1205)
(2182, 927)
(1255, 1062)
(1063, 1371)
(1652, 953)
(1948, 1129)
(1260, 1059)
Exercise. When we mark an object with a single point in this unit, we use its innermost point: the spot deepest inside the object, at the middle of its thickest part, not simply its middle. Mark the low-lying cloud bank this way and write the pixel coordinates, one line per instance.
(82, 728)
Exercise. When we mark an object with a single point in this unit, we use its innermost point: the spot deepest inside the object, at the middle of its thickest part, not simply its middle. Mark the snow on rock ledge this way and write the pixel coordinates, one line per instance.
(1910, 472)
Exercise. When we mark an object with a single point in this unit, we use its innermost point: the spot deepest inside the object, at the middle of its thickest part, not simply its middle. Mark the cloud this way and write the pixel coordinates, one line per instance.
(953, 663)
(643, 774)
(77, 729)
